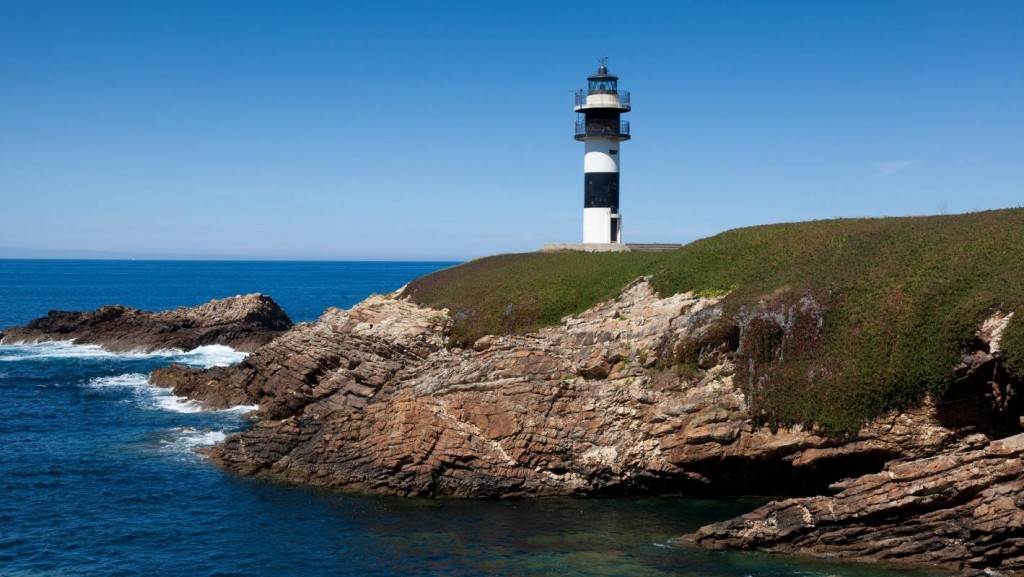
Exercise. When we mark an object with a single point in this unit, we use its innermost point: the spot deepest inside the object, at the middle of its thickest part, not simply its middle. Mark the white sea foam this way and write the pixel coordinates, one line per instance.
(204, 356)
(128, 380)
(189, 438)
(57, 350)
(165, 400)
(211, 356)
(186, 440)
(144, 394)
(148, 396)
(240, 409)
(169, 402)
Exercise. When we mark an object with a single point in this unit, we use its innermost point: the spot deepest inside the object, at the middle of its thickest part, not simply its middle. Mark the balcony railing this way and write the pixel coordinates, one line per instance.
(599, 128)
(581, 97)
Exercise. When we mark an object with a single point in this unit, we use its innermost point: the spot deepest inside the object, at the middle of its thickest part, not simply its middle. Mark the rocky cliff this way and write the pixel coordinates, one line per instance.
(243, 322)
(963, 509)
(371, 399)
(608, 402)
(960, 507)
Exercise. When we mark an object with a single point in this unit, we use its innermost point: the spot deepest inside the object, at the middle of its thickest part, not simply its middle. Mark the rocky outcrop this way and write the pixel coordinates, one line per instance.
(370, 399)
(983, 392)
(243, 322)
(962, 509)
(636, 395)
(342, 358)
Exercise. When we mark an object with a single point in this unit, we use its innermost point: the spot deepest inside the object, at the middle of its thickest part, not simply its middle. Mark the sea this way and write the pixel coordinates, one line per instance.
(99, 474)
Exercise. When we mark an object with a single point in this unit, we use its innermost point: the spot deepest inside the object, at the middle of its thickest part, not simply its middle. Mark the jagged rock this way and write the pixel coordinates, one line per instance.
(243, 322)
(341, 360)
(371, 400)
(982, 391)
(960, 509)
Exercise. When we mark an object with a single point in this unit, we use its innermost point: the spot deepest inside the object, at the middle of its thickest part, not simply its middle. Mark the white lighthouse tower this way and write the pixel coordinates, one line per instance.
(599, 127)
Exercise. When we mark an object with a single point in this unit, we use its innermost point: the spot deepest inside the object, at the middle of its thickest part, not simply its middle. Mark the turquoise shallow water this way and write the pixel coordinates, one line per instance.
(98, 475)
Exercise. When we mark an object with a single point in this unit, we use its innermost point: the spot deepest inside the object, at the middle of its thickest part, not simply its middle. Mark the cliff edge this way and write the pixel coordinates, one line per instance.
(869, 370)
(371, 400)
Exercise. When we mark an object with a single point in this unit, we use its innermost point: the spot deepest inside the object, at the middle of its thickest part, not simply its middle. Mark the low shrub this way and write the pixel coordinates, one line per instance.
(899, 299)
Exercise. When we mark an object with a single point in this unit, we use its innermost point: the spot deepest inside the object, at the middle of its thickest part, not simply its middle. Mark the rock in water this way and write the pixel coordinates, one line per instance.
(961, 509)
(370, 399)
(242, 322)
(635, 395)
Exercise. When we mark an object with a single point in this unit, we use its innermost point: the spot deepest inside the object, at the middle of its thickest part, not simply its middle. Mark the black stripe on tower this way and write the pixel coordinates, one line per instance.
(602, 121)
(601, 190)
(610, 116)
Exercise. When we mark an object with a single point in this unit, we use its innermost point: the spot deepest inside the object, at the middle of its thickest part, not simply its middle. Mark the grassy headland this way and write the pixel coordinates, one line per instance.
(901, 299)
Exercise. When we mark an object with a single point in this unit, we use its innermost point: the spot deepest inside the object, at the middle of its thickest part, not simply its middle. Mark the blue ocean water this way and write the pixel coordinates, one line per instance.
(98, 476)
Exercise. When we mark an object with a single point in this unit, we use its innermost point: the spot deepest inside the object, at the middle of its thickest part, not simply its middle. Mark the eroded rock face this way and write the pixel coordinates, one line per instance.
(982, 390)
(371, 400)
(339, 361)
(957, 505)
(243, 322)
(961, 509)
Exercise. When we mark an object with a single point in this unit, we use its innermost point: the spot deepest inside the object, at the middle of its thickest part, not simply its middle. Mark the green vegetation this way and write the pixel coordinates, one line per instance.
(901, 299)
(1013, 345)
(517, 293)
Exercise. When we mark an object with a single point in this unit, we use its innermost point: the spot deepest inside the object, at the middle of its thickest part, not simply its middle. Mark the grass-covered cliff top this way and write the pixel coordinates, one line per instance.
(902, 298)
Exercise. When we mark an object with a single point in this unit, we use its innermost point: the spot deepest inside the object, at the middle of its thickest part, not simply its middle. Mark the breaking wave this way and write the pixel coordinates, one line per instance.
(186, 440)
(148, 396)
(204, 356)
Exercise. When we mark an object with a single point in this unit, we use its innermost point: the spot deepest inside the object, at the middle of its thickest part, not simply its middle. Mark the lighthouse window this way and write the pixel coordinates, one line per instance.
(613, 152)
(602, 86)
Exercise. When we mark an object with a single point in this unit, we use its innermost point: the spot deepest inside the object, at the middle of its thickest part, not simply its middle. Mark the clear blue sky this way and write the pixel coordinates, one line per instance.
(443, 130)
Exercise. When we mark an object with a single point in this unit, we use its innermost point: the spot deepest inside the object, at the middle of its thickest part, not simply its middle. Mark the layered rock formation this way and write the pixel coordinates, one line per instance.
(371, 399)
(962, 509)
(636, 395)
(243, 322)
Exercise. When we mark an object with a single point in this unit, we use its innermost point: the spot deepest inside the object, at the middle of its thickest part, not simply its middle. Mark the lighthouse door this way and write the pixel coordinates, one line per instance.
(614, 236)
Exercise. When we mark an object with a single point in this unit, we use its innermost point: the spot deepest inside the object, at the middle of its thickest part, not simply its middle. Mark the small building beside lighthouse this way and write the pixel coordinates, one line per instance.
(598, 125)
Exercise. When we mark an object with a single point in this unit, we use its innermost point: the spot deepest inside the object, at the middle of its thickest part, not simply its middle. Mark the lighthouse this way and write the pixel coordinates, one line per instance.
(598, 125)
